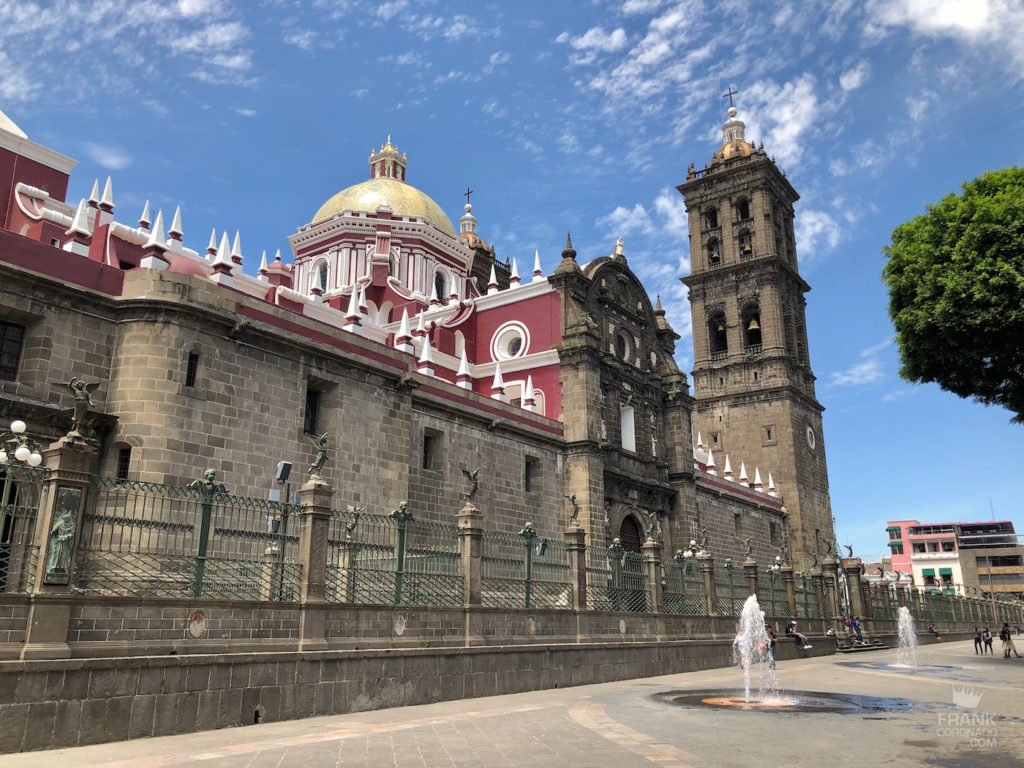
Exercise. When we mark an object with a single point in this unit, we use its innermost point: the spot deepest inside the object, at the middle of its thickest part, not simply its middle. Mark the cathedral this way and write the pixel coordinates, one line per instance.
(420, 357)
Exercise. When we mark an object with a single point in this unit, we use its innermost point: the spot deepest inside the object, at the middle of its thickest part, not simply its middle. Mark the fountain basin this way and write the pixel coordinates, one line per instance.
(791, 701)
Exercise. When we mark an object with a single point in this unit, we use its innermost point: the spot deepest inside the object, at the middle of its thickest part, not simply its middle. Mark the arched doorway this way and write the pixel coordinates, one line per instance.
(630, 535)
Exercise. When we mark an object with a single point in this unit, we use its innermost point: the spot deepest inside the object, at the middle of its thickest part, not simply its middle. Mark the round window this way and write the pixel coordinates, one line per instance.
(811, 440)
(509, 341)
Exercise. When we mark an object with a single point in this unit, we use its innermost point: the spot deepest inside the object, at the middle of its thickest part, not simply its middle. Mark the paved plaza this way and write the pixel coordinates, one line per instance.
(625, 724)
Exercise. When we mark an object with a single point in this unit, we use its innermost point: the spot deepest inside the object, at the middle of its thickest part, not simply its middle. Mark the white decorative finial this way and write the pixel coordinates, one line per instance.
(537, 273)
(144, 219)
(498, 384)
(175, 232)
(700, 443)
(94, 195)
(211, 248)
(107, 201)
(156, 236)
(224, 251)
(758, 485)
(529, 403)
(236, 248)
(727, 474)
(514, 279)
(492, 282)
(80, 224)
(710, 464)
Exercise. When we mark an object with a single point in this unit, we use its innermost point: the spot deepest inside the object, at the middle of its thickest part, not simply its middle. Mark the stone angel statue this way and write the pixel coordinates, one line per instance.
(748, 547)
(82, 393)
(474, 484)
(322, 444)
(575, 508)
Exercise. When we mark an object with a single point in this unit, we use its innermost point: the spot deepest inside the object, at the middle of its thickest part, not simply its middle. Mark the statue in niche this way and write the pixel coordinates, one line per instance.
(322, 444)
(82, 393)
(654, 433)
(618, 252)
(703, 541)
(62, 536)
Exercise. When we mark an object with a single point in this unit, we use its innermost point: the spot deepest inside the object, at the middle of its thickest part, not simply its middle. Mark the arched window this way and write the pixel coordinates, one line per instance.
(320, 276)
(746, 243)
(711, 218)
(441, 287)
(630, 535)
(752, 329)
(714, 252)
(717, 335)
(743, 209)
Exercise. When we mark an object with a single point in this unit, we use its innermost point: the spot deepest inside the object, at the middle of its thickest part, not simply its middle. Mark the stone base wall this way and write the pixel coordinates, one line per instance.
(13, 621)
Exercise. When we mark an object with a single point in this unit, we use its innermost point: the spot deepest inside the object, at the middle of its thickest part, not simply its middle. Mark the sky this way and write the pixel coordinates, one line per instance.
(576, 115)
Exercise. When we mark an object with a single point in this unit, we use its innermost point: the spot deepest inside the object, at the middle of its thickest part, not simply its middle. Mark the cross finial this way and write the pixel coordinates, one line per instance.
(729, 94)
(467, 193)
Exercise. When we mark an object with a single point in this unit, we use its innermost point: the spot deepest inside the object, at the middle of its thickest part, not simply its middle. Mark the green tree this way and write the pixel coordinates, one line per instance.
(956, 292)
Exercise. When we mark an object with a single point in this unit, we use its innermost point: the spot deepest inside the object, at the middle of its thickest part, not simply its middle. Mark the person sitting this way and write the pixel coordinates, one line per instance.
(832, 633)
(799, 637)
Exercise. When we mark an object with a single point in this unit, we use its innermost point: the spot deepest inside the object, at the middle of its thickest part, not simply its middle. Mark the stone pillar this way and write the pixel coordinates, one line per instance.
(652, 562)
(790, 587)
(471, 534)
(576, 539)
(819, 589)
(831, 575)
(314, 521)
(707, 567)
(59, 519)
(853, 581)
(750, 573)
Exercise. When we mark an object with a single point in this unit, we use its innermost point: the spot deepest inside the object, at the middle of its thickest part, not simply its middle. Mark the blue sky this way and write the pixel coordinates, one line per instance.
(581, 116)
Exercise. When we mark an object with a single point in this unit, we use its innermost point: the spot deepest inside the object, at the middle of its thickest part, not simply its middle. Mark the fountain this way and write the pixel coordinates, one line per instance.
(906, 653)
(759, 653)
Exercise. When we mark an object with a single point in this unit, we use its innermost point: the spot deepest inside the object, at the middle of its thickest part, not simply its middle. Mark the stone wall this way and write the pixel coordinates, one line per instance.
(51, 704)
(13, 624)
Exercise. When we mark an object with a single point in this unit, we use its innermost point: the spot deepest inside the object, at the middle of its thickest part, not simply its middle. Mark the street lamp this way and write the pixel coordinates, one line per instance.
(16, 445)
(15, 449)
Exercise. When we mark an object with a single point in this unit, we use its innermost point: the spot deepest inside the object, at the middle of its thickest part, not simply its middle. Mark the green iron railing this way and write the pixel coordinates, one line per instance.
(392, 560)
(730, 590)
(525, 570)
(22, 489)
(616, 579)
(151, 540)
(684, 588)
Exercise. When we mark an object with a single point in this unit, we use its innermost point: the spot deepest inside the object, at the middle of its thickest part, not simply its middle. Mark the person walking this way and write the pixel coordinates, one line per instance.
(739, 650)
(977, 642)
(1007, 637)
(986, 636)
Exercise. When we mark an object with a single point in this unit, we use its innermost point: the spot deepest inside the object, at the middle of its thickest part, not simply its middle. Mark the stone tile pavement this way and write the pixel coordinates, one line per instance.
(623, 724)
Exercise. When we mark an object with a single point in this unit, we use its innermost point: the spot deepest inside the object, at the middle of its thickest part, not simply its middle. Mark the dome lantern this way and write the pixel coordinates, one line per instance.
(387, 163)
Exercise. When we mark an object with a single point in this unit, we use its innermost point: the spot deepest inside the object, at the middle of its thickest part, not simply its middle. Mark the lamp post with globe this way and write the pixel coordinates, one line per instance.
(17, 453)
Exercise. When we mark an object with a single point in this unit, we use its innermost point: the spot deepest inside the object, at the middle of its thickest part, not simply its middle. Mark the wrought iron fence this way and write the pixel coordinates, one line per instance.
(771, 596)
(808, 606)
(392, 560)
(616, 580)
(19, 508)
(684, 589)
(525, 570)
(151, 540)
(730, 591)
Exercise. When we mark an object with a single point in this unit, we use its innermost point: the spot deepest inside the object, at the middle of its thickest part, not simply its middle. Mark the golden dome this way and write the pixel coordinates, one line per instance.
(403, 199)
(737, 148)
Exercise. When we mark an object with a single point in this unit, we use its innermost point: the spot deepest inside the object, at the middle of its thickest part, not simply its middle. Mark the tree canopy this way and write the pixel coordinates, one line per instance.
(956, 292)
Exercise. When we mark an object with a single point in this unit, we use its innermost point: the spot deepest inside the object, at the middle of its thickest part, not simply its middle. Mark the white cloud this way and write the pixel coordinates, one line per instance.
(669, 205)
(301, 38)
(859, 374)
(622, 221)
(854, 78)
(244, 112)
(111, 158)
(495, 60)
(817, 233)
(897, 394)
(493, 109)
(868, 371)
(782, 115)
(391, 9)
(631, 7)
(568, 143)
(917, 106)
(988, 27)
(360, 92)
(597, 39)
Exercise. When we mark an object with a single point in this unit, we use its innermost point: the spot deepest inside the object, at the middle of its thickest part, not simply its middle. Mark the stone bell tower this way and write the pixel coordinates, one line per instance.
(752, 381)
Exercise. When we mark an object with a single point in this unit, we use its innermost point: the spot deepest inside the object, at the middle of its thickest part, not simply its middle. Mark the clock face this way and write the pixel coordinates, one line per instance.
(811, 439)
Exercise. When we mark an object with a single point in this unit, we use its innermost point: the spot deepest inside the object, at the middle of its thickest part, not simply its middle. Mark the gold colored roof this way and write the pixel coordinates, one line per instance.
(737, 148)
(403, 199)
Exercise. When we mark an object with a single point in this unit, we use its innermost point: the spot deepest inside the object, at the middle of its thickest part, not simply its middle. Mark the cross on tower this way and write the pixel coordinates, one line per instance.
(467, 193)
(729, 94)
